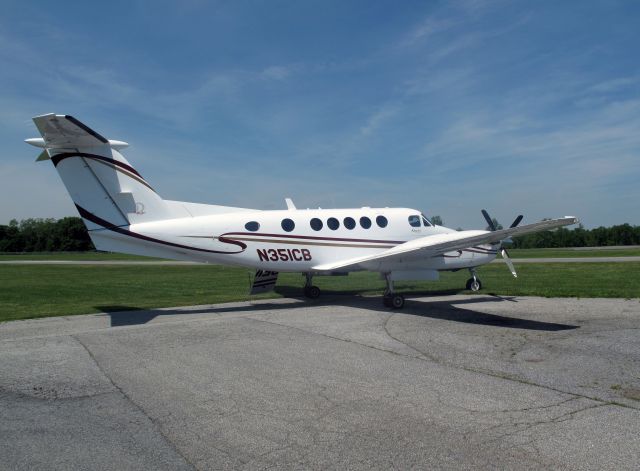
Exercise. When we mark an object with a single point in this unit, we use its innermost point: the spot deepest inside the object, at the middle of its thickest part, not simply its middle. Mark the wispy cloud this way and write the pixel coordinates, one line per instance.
(615, 84)
(276, 72)
(428, 28)
(378, 118)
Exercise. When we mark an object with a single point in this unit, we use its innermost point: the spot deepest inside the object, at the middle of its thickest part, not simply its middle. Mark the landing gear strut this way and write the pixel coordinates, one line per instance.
(391, 299)
(311, 291)
(474, 283)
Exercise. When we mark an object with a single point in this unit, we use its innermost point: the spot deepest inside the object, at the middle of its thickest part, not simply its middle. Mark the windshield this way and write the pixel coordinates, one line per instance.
(425, 221)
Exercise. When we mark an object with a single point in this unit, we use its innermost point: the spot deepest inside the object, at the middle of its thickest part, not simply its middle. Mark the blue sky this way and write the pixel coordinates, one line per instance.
(449, 107)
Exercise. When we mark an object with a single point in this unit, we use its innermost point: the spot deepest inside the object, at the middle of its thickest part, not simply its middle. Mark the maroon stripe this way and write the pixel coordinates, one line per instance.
(112, 227)
(480, 252)
(477, 249)
(287, 236)
(65, 155)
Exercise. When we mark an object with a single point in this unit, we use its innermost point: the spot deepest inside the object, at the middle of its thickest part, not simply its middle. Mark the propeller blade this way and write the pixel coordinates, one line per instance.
(516, 221)
(488, 219)
(505, 256)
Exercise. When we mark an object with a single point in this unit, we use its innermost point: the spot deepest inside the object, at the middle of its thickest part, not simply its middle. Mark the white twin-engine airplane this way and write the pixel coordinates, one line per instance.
(123, 213)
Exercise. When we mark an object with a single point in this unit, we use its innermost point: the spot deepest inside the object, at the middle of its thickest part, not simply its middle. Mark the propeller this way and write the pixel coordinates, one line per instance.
(503, 251)
(487, 218)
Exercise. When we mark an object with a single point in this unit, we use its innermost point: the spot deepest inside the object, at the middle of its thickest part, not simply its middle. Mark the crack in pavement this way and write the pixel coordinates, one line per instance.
(423, 356)
(502, 375)
(528, 425)
(505, 411)
(136, 405)
(53, 397)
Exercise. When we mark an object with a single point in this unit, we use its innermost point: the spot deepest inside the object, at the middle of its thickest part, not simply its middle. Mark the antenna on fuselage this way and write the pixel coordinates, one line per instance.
(290, 205)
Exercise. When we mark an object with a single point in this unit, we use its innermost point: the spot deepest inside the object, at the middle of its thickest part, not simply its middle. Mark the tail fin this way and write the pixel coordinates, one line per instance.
(105, 188)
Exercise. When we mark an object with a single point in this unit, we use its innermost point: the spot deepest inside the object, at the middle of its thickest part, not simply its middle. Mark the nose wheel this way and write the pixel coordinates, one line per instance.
(474, 284)
(391, 299)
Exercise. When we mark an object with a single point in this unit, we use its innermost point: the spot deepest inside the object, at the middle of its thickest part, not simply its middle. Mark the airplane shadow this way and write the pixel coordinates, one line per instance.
(453, 311)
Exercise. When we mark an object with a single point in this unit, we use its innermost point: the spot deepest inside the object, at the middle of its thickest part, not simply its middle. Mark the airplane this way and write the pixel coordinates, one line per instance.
(123, 213)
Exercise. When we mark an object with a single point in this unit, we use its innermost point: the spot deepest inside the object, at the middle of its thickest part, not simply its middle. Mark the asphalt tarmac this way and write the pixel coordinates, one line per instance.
(457, 382)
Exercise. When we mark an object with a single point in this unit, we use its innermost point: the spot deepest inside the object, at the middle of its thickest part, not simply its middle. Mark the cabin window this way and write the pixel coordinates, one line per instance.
(381, 221)
(349, 223)
(316, 224)
(288, 225)
(333, 223)
(252, 226)
(414, 220)
(365, 222)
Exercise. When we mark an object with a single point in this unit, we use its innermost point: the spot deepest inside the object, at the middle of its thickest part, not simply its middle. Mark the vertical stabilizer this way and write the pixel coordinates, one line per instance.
(103, 185)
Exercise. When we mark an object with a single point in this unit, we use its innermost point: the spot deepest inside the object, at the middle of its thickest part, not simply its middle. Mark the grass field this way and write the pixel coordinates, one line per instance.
(44, 290)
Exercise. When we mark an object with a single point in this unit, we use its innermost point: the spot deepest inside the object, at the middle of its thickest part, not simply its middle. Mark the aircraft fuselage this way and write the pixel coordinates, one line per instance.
(294, 240)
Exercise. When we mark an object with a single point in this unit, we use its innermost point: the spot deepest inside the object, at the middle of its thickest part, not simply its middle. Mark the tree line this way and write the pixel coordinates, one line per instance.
(622, 234)
(70, 235)
(45, 235)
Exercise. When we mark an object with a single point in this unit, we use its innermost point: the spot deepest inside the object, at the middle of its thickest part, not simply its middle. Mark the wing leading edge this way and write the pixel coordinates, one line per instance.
(431, 246)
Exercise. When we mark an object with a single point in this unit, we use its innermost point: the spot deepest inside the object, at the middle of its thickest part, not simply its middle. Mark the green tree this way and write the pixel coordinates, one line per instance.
(496, 224)
(437, 220)
(45, 235)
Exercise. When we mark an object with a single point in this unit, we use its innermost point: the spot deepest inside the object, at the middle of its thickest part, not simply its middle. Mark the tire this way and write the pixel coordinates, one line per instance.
(475, 285)
(386, 299)
(397, 301)
(312, 292)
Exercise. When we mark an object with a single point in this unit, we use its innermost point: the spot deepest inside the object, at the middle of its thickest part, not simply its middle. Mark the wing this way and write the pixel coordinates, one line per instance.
(431, 246)
(64, 131)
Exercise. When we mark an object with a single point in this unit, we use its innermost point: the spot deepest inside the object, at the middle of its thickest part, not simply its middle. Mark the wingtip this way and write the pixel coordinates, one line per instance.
(36, 142)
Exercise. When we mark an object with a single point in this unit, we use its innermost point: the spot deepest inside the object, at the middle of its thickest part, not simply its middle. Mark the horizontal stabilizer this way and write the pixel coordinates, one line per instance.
(44, 155)
(64, 131)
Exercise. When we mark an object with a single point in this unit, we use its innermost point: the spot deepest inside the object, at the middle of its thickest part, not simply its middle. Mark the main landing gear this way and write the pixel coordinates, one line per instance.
(391, 299)
(474, 283)
(311, 291)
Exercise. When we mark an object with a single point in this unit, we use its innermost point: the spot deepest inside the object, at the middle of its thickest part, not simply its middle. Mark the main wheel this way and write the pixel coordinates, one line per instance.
(397, 301)
(312, 292)
(386, 299)
(474, 284)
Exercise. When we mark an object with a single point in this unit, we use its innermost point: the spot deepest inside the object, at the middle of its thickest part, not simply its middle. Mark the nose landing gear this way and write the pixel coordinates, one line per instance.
(474, 284)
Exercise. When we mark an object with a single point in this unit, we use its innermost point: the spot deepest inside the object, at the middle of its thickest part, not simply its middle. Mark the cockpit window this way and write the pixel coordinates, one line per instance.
(425, 221)
(414, 220)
